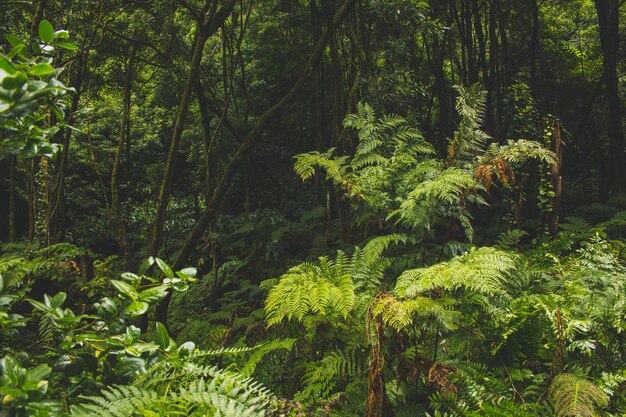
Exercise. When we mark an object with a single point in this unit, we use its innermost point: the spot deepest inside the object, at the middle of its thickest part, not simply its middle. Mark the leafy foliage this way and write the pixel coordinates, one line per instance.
(575, 396)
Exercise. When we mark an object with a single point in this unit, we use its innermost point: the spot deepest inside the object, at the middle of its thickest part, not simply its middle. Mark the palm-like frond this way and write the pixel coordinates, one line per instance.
(328, 287)
(483, 270)
(574, 396)
(170, 390)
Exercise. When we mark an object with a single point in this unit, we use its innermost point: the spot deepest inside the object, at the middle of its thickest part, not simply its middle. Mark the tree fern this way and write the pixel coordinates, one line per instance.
(445, 194)
(306, 164)
(325, 288)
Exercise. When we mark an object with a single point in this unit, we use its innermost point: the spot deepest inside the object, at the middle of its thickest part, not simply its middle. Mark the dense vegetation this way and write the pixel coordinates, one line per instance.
(279, 208)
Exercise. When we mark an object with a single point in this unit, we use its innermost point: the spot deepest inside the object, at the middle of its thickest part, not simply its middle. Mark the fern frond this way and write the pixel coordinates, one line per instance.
(310, 288)
(510, 239)
(401, 313)
(483, 270)
(574, 396)
(334, 167)
(469, 140)
(262, 350)
(320, 377)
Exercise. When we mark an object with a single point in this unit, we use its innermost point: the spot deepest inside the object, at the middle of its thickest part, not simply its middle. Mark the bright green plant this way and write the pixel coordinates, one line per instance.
(153, 375)
(30, 93)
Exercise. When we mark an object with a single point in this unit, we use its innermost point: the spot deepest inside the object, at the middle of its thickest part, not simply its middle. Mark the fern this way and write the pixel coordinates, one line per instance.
(323, 289)
(328, 287)
(446, 192)
(264, 349)
(497, 161)
(170, 390)
(510, 239)
(483, 270)
(469, 140)
(400, 313)
(320, 377)
(306, 163)
(574, 396)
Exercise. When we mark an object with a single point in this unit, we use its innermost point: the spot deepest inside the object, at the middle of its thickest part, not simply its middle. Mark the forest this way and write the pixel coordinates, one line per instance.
(312, 208)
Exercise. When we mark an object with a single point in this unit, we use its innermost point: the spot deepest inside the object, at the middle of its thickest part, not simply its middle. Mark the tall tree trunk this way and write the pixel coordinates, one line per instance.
(12, 186)
(555, 177)
(43, 201)
(337, 115)
(32, 202)
(608, 19)
(57, 206)
(115, 210)
(533, 47)
(204, 29)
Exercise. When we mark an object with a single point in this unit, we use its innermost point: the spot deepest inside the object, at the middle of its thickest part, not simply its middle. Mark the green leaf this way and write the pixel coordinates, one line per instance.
(36, 47)
(6, 64)
(145, 265)
(13, 40)
(189, 271)
(39, 305)
(12, 371)
(68, 46)
(133, 278)
(15, 51)
(154, 295)
(46, 31)
(36, 374)
(137, 308)
(186, 349)
(162, 336)
(41, 69)
(15, 81)
(88, 336)
(125, 289)
(58, 299)
(127, 366)
(136, 349)
(107, 308)
(165, 268)
(61, 34)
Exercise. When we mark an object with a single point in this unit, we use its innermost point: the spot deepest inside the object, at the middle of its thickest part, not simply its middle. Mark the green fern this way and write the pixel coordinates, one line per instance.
(170, 390)
(321, 376)
(328, 288)
(483, 270)
(469, 139)
(400, 313)
(574, 396)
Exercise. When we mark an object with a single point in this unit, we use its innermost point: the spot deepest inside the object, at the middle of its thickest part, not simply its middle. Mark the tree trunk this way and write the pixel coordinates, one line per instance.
(37, 17)
(115, 212)
(32, 202)
(608, 20)
(555, 175)
(57, 206)
(12, 180)
(533, 47)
